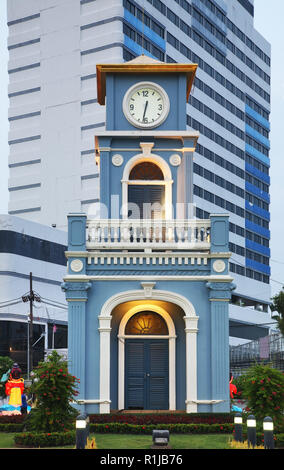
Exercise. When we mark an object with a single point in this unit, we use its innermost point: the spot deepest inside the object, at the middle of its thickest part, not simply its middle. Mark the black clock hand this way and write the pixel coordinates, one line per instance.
(145, 109)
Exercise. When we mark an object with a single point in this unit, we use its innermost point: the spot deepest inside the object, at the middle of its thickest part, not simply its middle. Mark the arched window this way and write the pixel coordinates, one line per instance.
(147, 188)
(146, 200)
(146, 323)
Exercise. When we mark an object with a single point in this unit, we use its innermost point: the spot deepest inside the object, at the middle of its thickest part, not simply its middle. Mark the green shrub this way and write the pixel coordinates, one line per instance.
(54, 389)
(263, 388)
(54, 439)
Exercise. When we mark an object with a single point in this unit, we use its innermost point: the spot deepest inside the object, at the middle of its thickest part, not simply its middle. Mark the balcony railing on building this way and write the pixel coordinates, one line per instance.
(142, 234)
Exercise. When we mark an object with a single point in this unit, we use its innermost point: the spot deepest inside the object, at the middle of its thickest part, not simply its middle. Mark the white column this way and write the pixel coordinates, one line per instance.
(105, 330)
(172, 373)
(191, 363)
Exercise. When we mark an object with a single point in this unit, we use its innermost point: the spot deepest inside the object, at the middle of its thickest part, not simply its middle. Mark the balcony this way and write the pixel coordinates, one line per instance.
(147, 234)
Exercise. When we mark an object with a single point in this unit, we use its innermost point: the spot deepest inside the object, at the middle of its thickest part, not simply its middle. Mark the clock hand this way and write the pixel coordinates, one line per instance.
(146, 105)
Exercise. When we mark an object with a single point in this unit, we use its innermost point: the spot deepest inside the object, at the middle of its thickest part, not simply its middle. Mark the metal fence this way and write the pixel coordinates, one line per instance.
(266, 350)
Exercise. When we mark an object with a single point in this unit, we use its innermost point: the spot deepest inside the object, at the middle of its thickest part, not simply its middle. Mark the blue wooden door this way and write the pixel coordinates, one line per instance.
(146, 374)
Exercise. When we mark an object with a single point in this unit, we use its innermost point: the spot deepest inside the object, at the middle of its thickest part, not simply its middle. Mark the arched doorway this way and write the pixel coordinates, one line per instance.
(146, 362)
(190, 321)
(146, 358)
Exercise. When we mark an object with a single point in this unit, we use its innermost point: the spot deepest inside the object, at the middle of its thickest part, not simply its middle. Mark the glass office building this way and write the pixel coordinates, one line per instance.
(54, 115)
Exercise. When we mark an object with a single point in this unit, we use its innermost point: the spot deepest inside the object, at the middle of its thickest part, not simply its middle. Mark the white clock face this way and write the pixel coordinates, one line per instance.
(146, 105)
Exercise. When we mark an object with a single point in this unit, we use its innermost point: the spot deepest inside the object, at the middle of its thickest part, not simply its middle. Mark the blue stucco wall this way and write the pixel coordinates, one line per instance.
(173, 84)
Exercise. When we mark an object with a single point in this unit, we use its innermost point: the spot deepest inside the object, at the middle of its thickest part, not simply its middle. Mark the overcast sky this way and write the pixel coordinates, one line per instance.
(269, 22)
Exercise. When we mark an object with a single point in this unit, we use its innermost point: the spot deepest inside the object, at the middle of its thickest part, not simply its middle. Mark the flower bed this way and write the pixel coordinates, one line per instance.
(17, 419)
(163, 418)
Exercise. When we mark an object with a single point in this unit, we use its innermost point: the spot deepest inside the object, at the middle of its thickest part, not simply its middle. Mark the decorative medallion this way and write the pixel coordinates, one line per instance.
(175, 160)
(76, 265)
(219, 266)
(117, 160)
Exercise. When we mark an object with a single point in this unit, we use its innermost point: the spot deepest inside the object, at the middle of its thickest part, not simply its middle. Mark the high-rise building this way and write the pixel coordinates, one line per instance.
(54, 46)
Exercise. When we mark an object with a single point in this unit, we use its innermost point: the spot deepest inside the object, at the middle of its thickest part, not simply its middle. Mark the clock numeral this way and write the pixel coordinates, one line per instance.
(145, 92)
(145, 119)
(160, 107)
(131, 106)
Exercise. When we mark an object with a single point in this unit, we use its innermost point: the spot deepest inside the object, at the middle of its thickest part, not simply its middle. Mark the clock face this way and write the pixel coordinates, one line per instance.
(146, 105)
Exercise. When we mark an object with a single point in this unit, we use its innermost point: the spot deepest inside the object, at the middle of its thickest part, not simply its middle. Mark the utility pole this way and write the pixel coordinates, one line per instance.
(30, 298)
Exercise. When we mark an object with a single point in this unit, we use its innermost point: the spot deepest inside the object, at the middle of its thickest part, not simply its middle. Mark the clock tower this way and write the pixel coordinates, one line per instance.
(148, 284)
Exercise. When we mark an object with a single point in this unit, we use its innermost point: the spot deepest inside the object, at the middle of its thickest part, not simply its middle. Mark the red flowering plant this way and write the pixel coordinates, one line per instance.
(54, 389)
(263, 388)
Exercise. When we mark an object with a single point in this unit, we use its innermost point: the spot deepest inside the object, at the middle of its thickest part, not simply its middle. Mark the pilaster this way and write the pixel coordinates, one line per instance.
(76, 296)
(219, 296)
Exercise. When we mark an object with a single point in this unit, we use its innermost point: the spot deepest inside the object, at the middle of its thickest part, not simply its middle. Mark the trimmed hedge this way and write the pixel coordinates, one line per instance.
(126, 428)
(10, 427)
(54, 439)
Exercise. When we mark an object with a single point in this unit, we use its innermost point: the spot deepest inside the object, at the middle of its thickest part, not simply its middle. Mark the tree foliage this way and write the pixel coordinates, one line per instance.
(54, 388)
(278, 306)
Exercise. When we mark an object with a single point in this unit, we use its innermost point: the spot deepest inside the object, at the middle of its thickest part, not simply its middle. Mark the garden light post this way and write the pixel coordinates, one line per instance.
(251, 426)
(268, 433)
(238, 421)
(160, 437)
(82, 430)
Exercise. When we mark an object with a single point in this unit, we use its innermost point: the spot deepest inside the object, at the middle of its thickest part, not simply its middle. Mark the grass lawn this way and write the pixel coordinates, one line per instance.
(177, 441)
(130, 441)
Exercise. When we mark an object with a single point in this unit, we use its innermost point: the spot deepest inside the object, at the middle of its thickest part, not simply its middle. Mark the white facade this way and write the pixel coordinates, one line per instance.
(54, 46)
(15, 269)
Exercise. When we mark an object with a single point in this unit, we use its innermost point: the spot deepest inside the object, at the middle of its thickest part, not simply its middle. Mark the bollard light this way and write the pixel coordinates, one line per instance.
(251, 426)
(268, 433)
(161, 437)
(82, 430)
(238, 421)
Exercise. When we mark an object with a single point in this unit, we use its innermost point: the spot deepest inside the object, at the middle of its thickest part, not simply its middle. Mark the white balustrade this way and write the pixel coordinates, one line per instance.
(146, 233)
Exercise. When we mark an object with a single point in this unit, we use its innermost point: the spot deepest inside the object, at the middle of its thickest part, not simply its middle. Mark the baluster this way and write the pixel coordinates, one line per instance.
(198, 233)
(160, 233)
(148, 227)
(192, 232)
(115, 233)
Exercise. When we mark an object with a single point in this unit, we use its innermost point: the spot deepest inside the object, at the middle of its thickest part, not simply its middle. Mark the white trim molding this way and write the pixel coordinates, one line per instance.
(191, 322)
(147, 156)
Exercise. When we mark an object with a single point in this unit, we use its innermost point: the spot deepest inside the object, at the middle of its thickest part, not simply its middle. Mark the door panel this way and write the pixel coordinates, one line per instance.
(135, 359)
(146, 374)
(159, 375)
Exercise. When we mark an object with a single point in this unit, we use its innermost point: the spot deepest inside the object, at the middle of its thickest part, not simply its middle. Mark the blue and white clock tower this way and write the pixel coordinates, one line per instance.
(148, 284)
